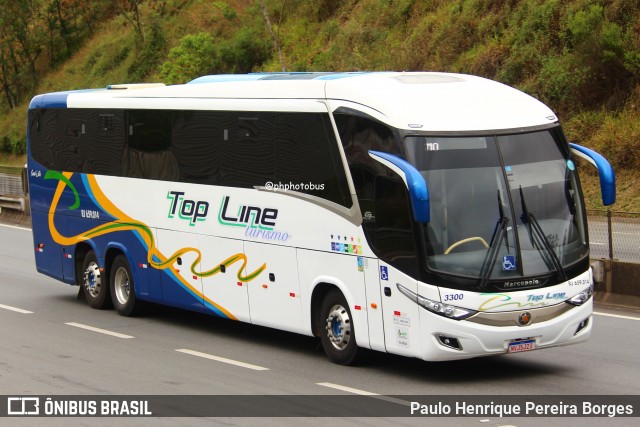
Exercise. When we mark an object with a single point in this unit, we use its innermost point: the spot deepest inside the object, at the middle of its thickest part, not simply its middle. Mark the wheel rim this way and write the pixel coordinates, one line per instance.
(92, 279)
(122, 285)
(339, 327)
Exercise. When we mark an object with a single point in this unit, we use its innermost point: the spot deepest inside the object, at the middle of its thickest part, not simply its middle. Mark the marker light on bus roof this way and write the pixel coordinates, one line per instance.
(446, 310)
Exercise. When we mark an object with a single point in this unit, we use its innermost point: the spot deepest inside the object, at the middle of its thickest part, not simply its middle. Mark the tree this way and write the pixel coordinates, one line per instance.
(192, 57)
(130, 9)
(20, 45)
(274, 37)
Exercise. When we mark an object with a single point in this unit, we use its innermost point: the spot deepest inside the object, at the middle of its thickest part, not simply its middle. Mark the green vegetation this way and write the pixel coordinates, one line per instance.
(581, 57)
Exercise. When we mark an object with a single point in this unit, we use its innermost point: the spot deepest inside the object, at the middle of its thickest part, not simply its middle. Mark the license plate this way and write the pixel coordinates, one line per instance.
(521, 345)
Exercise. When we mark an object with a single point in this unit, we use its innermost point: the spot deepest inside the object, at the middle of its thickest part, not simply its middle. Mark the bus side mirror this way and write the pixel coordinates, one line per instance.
(605, 171)
(413, 180)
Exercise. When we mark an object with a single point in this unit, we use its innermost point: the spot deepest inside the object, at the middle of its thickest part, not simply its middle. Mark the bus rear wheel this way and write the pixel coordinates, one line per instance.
(122, 288)
(336, 329)
(94, 286)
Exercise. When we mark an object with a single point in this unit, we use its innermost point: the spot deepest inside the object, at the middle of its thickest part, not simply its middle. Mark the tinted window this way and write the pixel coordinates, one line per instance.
(384, 201)
(238, 149)
(198, 139)
(359, 135)
(149, 130)
(150, 153)
(307, 154)
(79, 140)
(249, 149)
(105, 142)
(393, 236)
(58, 142)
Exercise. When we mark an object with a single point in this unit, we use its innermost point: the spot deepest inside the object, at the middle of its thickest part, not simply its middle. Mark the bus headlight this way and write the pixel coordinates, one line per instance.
(445, 310)
(582, 297)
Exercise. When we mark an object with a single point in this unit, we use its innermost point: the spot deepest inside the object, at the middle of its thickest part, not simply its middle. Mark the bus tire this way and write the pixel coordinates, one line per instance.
(122, 288)
(336, 329)
(94, 283)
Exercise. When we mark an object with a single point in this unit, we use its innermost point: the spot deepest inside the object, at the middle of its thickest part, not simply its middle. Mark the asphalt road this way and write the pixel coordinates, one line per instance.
(47, 349)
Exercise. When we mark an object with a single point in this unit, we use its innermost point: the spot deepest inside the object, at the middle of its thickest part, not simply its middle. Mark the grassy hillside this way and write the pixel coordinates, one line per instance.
(581, 57)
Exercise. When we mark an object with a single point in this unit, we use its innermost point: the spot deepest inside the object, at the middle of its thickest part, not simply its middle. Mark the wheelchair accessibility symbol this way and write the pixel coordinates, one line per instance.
(384, 274)
(508, 263)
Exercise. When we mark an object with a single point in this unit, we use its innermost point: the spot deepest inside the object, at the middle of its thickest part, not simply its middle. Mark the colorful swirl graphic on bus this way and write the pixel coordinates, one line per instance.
(125, 223)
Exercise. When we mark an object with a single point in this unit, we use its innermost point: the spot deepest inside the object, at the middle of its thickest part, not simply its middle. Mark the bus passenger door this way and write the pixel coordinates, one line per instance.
(222, 269)
(401, 315)
(393, 237)
(274, 293)
(374, 306)
(180, 287)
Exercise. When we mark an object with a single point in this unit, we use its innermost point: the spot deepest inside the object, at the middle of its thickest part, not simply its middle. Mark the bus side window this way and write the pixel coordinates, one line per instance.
(308, 156)
(149, 153)
(383, 198)
(249, 149)
(105, 138)
(42, 148)
(61, 144)
(359, 135)
(78, 140)
(197, 143)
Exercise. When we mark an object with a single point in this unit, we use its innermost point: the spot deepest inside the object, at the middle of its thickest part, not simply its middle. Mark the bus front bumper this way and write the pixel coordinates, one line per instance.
(447, 339)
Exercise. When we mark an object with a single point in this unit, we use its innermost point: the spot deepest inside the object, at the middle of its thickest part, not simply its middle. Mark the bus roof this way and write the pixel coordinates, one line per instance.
(428, 101)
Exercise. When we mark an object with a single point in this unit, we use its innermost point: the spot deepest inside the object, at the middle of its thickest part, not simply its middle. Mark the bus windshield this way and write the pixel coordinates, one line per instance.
(502, 207)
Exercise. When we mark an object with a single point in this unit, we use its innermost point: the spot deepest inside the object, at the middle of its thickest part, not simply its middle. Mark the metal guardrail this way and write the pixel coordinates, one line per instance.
(614, 235)
(11, 170)
(12, 191)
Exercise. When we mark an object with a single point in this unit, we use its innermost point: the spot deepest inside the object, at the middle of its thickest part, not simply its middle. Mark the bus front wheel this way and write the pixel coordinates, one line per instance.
(122, 288)
(336, 329)
(94, 284)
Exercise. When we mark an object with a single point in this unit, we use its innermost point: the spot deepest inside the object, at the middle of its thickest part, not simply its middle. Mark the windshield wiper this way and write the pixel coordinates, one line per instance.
(492, 253)
(534, 227)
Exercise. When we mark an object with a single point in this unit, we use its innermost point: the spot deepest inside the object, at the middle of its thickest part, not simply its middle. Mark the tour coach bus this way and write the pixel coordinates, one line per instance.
(431, 215)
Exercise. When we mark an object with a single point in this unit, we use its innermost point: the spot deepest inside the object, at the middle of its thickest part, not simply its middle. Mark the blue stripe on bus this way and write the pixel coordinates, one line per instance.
(217, 312)
(87, 189)
(50, 100)
(336, 76)
(227, 78)
(297, 75)
(55, 99)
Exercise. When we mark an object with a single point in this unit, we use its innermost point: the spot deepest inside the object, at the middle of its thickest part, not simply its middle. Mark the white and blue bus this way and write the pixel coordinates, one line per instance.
(431, 215)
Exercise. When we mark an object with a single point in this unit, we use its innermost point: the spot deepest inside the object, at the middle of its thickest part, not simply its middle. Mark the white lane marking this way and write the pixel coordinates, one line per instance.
(348, 389)
(99, 330)
(16, 309)
(365, 393)
(619, 316)
(222, 359)
(16, 227)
